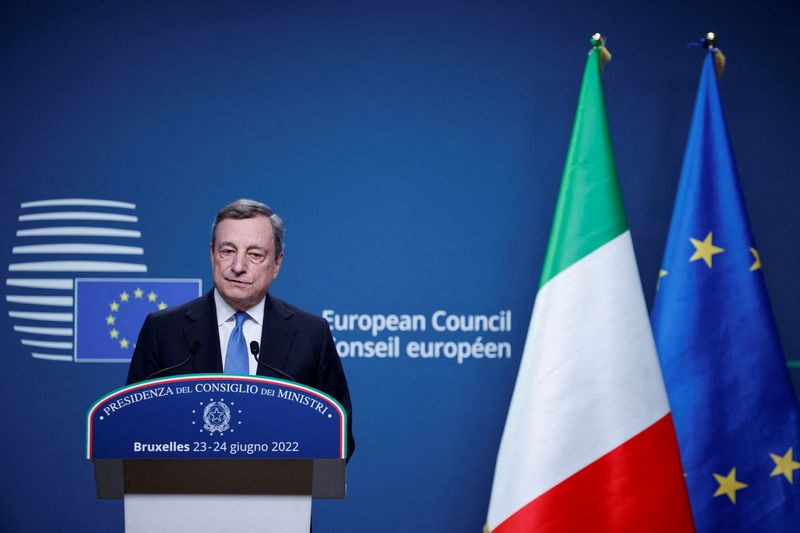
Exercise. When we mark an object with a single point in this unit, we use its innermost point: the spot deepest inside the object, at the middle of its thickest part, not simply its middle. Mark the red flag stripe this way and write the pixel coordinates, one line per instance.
(638, 486)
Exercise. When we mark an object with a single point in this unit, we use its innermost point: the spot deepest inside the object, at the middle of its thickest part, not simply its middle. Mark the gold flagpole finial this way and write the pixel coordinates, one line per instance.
(599, 42)
(710, 42)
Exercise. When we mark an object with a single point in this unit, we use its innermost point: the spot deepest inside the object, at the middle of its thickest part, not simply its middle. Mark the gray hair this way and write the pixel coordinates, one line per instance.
(244, 208)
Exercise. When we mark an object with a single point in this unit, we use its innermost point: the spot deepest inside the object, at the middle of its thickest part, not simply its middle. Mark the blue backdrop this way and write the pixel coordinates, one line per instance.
(414, 151)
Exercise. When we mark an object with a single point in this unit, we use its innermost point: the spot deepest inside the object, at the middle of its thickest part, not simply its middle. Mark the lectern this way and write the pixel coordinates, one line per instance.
(214, 452)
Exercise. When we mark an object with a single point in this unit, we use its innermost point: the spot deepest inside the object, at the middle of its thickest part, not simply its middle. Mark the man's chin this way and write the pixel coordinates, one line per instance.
(238, 298)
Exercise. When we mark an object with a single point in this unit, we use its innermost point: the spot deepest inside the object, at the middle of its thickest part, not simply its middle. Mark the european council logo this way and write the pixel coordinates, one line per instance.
(61, 307)
(109, 313)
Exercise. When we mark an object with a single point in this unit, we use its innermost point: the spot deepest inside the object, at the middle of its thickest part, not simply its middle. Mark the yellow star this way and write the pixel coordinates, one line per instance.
(785, 465)
(114, 333)
(152, 296)
(661, 274)
(704, 250)
(123, 343)
(124, 296)
(161, 306)
(757, 263)
(110, 319)
(114, 306)
(728, 485)
(138, 293)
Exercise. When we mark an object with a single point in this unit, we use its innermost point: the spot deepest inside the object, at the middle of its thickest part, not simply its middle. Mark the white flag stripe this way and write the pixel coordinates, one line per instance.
(77, 266)
(87, 202)
(78, 248)
(78, 215)
(40, 283)
(52, 357)
(78, 231)
(57, 301)
(47, 344)
(54, 332)
(589, 379)
(45, 317)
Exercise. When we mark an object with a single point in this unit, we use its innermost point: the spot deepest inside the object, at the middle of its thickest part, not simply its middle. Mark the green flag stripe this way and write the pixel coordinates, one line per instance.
(589, 211)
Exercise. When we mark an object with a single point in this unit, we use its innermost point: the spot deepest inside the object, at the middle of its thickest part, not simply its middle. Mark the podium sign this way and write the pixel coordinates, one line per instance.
(215, 452)
(216, 416)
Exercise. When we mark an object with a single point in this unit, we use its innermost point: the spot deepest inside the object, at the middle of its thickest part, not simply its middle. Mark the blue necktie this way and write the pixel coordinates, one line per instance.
(236, 361)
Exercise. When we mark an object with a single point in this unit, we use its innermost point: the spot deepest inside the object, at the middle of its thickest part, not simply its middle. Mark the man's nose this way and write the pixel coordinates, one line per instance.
(239, 264)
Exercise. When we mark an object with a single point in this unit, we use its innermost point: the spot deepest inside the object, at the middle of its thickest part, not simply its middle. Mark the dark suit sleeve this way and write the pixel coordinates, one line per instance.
(145, 358)
(332, 381)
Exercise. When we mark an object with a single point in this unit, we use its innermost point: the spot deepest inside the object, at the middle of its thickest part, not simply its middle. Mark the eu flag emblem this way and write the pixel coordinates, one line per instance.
(735, 412)
(110, 312)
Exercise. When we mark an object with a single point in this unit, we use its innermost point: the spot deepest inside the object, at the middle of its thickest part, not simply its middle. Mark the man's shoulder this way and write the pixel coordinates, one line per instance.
(190, 309)
(294, 313)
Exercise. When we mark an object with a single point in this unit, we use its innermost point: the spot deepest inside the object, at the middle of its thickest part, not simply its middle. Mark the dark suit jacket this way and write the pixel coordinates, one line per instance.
(292, 340)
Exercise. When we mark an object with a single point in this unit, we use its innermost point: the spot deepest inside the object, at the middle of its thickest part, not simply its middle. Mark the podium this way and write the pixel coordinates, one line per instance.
(214, 452)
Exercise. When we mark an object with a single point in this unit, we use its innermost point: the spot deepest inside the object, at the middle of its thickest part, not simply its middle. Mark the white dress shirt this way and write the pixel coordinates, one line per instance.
(251, 328)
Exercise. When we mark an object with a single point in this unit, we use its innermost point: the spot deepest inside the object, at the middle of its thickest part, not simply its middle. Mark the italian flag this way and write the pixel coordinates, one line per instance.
(589, 443)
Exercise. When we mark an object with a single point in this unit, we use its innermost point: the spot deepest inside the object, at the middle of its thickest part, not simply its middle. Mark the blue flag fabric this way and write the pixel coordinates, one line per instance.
(110, 312)
(732, 401)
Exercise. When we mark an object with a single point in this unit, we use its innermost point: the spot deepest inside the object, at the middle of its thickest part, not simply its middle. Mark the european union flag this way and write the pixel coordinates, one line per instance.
(732, 401)
(110, 312)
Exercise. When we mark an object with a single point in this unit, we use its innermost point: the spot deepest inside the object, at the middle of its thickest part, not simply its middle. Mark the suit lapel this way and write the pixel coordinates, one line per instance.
(202, 328)
(277, 333)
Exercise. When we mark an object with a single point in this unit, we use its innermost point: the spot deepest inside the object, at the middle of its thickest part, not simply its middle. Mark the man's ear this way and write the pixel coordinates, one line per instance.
(278, 263)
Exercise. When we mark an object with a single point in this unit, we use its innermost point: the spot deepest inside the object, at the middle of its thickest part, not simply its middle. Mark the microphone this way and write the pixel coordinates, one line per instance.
(192, 350)
(254, 349)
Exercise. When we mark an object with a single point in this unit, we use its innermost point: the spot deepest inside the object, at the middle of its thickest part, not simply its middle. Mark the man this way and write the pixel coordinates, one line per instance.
(201, 336)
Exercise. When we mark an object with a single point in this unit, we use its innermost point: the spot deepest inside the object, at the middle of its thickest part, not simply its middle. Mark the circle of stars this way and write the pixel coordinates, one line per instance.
(115, 306)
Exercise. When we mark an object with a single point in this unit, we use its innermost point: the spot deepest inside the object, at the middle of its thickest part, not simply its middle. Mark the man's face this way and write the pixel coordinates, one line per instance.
(243, 262)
